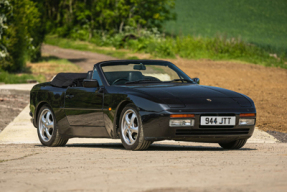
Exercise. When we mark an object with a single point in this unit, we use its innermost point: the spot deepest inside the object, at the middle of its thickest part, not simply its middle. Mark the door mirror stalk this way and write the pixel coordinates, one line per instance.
(196, 80)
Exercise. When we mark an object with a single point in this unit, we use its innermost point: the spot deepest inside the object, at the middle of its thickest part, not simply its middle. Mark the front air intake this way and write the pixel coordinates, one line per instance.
(191, 132)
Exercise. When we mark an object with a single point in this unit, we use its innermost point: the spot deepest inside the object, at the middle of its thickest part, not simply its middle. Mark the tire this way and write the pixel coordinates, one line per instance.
(234, 144)
(48, 133)
(131, 129)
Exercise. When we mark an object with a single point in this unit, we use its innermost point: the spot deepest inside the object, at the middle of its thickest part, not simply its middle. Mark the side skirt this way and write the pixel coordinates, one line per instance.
(87, 132)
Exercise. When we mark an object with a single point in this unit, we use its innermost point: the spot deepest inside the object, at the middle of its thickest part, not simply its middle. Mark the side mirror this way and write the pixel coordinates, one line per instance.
(90, 83)
(196, 80)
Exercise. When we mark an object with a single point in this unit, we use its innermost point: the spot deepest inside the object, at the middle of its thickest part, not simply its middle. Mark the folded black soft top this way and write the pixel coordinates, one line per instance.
(67, 79)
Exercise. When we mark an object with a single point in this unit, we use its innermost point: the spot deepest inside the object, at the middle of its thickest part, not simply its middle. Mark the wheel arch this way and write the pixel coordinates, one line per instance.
(119, 110)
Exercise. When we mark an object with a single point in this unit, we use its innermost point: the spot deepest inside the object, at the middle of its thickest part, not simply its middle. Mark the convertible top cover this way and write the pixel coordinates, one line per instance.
(67, 79)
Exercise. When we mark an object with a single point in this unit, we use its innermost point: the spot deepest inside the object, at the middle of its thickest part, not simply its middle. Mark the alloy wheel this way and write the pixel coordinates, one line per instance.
(46, 125)
(130, 127)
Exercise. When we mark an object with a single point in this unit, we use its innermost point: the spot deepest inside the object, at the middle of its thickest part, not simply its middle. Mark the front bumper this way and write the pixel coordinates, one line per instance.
(156, 127)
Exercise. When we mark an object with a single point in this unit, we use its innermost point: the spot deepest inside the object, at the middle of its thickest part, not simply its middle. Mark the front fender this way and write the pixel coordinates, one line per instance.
(143, 105)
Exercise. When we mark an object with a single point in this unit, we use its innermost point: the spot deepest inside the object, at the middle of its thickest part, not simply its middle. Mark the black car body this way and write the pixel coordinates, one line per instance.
(94, 111)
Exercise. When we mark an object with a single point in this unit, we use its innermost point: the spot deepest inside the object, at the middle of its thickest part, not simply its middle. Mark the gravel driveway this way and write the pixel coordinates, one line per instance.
(165, 167)
(12, 102)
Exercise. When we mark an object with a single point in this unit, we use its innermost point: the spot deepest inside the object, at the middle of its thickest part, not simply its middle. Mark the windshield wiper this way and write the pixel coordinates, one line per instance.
(143, 81)
(182, 80)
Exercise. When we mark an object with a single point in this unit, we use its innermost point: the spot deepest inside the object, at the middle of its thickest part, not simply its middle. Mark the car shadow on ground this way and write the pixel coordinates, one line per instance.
(157, 147)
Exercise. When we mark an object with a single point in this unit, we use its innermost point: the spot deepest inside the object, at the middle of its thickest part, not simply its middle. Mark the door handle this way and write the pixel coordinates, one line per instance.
(69, 96)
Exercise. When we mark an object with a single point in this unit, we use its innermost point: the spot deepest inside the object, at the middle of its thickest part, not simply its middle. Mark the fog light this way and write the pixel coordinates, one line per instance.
(246, 121)
(181, 122)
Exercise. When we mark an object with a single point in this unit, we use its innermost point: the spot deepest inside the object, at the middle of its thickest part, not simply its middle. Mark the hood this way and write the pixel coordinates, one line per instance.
(195, 96)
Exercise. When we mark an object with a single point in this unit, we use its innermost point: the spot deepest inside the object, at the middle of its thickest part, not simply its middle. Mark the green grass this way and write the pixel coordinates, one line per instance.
(53, 65)
(45, 68)
(184, 47)
(9, 78)
(261, 22)
(82, 46)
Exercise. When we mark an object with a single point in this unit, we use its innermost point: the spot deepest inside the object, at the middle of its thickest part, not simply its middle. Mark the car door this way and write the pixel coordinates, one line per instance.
(83, 107)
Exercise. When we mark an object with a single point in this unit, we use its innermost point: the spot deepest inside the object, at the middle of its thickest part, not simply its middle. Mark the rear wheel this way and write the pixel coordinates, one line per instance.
(47, 130)
(234, 144)
(131, 132)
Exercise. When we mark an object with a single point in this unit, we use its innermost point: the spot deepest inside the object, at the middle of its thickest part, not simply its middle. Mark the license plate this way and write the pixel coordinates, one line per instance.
(217, 121)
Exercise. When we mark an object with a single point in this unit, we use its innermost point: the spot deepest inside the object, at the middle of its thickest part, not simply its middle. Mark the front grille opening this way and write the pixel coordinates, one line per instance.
(185, 132)
(215, 127)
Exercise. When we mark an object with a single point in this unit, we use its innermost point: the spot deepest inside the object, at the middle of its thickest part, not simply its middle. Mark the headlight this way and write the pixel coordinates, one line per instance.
(181, 122)
(246, 121)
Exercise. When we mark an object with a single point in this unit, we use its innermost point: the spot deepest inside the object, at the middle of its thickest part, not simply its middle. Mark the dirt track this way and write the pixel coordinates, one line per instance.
(165, 167)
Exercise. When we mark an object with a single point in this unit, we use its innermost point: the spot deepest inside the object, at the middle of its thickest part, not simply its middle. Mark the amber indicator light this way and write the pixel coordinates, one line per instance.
(182, 116)
(110, 109)
(247, 115)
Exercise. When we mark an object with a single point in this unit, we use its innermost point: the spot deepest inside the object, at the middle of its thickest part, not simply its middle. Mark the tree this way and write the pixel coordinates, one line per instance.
(107, 15)
(6, 8)
(18, 36)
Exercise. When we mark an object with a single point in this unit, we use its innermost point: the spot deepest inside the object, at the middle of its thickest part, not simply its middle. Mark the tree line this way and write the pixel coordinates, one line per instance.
(24, 23)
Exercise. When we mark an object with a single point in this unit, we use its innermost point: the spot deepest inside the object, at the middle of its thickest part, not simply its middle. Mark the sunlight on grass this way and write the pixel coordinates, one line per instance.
(53, 66)
(9, 78)
(181, 47)
(84, 46)
(41, 72)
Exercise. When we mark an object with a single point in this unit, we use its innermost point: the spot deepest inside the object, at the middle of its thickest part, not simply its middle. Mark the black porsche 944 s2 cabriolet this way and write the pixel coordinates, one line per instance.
(139, 101)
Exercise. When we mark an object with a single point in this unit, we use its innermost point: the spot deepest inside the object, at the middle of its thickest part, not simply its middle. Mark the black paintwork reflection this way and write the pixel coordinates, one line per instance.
(83, 107)
(86, 118)
(85, 131)
(109, 119)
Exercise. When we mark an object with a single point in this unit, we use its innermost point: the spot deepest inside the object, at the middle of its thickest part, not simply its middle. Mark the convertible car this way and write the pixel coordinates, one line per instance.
(139, 101)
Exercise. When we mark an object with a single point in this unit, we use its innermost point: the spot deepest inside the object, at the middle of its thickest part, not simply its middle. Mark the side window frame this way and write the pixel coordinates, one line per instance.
(97, 77)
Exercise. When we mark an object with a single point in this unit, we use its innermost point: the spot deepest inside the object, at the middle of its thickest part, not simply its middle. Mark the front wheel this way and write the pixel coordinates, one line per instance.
(234, 144)
(131, 132)
(47, 130)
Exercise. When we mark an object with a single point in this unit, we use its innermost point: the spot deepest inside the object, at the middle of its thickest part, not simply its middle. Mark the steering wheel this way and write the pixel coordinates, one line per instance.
(119, 79)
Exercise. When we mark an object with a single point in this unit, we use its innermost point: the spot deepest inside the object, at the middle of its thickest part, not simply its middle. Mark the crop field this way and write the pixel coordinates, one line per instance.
(261, 22)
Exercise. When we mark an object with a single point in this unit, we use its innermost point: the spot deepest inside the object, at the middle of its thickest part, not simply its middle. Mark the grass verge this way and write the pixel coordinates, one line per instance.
(50, 66)
(10, 78)
(188, 47)
(41, 71)
(84, 46)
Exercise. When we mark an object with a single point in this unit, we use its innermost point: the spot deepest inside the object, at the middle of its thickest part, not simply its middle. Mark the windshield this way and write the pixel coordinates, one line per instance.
(124, 74)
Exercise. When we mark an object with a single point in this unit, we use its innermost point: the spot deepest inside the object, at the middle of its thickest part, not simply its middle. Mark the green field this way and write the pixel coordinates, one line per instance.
(261, 22)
